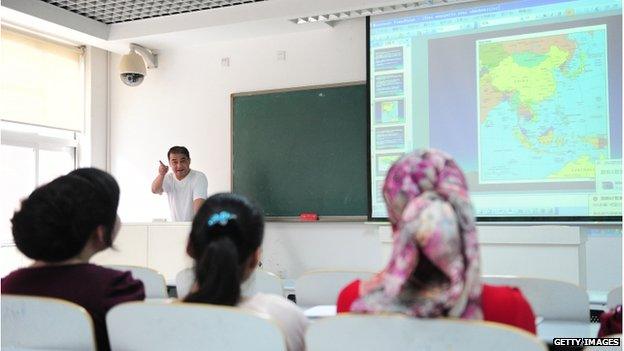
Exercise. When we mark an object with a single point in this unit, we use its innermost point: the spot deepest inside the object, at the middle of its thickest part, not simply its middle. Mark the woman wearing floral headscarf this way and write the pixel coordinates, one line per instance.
(434, 269)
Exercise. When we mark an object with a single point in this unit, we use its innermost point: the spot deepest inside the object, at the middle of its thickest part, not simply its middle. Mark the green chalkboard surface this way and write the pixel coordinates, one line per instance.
(302, 150)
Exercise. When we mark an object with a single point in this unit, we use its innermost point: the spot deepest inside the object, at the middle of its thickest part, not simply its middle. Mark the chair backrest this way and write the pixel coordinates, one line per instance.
(154, 282)
(263, 282)
(30, 323)
(614, 297)
(190, 326)
(260, 281)
(322, 287)
(398, 332)
(184, 282)
(550, 299)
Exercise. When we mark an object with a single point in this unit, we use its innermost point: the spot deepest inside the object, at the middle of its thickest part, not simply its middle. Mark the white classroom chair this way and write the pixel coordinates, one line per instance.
(260, 281)
(363, 332)
(322, 287)
(549, 299)
(184, 282)
(190, 326)
(614, 297)
(43, 323)
(154, 282)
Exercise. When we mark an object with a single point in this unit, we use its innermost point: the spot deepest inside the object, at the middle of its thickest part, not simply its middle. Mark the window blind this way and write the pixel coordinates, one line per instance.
(42, 81)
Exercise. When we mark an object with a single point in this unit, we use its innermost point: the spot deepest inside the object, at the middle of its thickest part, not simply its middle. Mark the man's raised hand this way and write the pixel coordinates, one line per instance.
(162, 169)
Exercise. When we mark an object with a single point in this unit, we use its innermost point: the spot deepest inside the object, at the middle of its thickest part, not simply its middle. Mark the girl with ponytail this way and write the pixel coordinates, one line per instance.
(225, 244)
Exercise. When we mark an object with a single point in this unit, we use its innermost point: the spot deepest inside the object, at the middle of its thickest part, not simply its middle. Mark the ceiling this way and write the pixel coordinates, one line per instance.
(119, 11)
(179, 24)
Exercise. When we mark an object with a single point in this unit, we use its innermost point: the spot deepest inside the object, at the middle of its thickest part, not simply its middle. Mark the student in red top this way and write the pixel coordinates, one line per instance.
(434, 269)
(60, 226)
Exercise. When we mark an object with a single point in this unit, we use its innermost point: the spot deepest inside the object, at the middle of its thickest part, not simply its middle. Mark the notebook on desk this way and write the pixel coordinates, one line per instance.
(320, 311)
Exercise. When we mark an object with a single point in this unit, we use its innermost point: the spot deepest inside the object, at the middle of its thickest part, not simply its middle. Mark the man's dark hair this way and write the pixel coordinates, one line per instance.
(180, 150)
(55, 222)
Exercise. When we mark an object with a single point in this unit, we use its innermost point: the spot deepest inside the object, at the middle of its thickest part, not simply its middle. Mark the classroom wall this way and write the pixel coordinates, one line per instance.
(187, 101)
(590, 256)
(94, 150)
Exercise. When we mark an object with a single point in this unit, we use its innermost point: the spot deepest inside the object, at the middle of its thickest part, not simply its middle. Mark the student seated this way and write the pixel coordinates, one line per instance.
(225, 244)
(434, 269)
(611, 322)
(61, 225)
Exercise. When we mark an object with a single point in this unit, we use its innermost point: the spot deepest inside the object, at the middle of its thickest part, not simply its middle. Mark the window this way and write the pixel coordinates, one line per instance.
(42, 102)
(31, 156)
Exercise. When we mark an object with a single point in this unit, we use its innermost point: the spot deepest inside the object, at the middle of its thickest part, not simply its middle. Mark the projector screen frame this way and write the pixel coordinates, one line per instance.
(481, 220)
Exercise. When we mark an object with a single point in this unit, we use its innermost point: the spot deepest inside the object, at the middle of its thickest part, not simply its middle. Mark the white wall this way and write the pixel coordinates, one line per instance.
(94, 149)
(187, 101)
(604, 258)
(590, 256)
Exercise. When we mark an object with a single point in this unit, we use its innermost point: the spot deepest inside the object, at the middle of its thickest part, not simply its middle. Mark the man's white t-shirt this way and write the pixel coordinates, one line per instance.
(182, 193)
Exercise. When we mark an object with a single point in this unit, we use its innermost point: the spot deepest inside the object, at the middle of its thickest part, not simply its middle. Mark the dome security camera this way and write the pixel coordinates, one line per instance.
(132, 68)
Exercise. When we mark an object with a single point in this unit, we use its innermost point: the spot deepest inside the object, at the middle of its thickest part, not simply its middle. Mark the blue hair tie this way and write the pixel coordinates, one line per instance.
(221, 218)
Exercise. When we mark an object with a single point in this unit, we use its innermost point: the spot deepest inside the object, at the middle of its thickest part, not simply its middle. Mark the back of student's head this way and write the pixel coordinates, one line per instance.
(227, 231)
(434, 266)
(55, 222)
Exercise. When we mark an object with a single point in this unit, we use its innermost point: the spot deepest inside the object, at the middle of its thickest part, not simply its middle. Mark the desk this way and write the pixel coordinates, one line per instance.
(549, 329)
(597, 300)
(161, 300)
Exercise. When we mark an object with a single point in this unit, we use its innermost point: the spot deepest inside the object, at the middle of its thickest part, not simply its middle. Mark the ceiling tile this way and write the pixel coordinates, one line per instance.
(116, 11)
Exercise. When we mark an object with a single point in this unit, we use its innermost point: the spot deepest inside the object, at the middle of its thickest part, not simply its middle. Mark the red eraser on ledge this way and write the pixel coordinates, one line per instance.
(308, 216)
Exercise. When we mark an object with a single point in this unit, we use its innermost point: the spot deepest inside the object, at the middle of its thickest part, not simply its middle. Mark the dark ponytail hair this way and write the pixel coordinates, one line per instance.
(226, 231)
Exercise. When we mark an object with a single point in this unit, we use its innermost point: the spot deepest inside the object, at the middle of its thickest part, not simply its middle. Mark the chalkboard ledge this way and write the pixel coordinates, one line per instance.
(296, 219)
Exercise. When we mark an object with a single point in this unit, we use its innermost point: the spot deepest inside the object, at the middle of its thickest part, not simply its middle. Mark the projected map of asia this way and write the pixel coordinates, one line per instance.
(543, 106)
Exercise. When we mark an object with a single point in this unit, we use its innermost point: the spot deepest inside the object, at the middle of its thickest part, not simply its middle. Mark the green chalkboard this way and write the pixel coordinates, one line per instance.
(302, 150)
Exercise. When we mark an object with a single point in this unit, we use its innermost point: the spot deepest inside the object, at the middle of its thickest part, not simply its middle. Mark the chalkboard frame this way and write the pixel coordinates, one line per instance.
(325, 218)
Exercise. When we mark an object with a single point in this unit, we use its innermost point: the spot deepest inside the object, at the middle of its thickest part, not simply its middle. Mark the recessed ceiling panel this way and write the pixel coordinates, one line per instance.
(116, 11)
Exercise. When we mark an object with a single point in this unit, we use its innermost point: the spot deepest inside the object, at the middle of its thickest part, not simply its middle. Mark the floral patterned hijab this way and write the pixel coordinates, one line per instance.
(434, 267)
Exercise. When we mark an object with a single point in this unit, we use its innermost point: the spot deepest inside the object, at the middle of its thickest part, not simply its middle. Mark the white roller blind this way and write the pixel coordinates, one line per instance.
(42, 82)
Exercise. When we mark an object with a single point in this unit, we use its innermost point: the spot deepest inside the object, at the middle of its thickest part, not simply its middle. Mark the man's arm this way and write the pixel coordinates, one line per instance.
(197, 204)
(158, 182)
